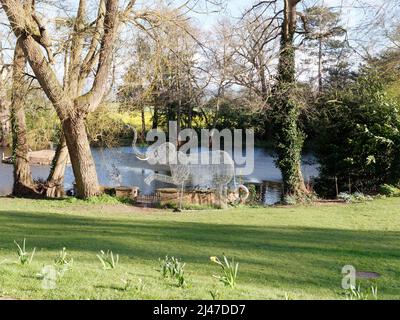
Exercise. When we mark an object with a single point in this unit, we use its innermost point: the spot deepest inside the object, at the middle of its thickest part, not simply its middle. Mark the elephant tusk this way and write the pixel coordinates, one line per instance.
(141, 157)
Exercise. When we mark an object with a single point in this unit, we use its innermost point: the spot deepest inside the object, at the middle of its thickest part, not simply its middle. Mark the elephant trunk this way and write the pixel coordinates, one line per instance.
(141, 156)
(149, 179)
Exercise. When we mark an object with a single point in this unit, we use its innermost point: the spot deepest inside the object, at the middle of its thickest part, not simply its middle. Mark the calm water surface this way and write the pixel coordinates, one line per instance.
(118, 166)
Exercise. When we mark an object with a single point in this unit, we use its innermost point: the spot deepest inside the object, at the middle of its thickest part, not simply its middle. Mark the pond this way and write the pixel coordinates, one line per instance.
(133, 171)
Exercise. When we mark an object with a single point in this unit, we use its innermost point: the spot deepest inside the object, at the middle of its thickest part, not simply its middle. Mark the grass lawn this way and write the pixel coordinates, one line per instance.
(298, 251)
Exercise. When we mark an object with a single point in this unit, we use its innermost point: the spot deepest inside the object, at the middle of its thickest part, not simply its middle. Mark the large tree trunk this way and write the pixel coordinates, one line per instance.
(81, 157)
(289, 138)
(55, 182)
(23, 182)
(70, 109)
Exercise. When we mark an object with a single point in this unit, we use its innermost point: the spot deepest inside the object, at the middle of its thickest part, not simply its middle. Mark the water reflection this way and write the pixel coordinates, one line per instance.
(133, 171)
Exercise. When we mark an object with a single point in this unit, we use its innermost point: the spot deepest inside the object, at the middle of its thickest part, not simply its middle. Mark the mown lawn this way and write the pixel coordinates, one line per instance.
(295, 251)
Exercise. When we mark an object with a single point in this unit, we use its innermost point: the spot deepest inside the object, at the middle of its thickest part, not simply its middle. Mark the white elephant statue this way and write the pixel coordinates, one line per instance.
(219, 170)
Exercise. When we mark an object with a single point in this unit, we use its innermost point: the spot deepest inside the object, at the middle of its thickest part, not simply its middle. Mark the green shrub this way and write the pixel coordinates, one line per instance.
(389, 190)
(345, 196)
(186, 206)
(355, 197)
(358, 141)
(289, 200)
(254, 196)
(101, 199)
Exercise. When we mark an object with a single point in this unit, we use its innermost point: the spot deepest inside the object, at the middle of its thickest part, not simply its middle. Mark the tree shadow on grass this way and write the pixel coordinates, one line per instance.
(278, 255)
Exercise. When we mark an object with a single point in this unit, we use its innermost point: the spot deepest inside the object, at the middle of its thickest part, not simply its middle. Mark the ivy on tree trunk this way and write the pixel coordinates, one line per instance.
(288, 137)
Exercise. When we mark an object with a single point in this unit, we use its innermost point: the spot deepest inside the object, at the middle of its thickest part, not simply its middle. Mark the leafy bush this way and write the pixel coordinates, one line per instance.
(106, 128)
(101, 199)
(289, 200)
(360, 197)
(254, 196)
(236, 112)
(389, 190)
(355, 197)
(187, 206)
(345, 196)
(43, 126)
(358, 137)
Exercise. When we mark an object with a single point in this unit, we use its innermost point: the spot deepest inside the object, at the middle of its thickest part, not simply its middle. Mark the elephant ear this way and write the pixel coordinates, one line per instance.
(183, 158)
(170, 152)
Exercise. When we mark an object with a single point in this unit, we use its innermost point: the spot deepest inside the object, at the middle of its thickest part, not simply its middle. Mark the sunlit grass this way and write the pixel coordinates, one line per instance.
(296, 251)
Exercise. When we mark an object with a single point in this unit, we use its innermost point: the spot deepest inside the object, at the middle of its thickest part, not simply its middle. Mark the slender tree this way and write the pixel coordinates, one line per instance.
(5, 126)
(137, 88)
(324, 39)
(23, 182)
(54, 187)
